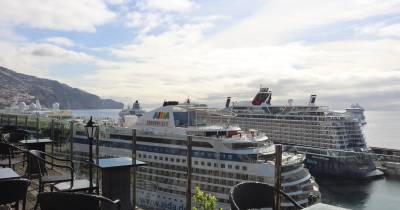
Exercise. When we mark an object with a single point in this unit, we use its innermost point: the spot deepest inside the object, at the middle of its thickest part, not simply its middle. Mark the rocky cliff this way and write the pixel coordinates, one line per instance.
(48, 92)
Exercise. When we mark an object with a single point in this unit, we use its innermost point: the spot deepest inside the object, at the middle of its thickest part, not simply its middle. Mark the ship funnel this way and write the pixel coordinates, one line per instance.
(264, 96)
(312, 99)
(228, 101)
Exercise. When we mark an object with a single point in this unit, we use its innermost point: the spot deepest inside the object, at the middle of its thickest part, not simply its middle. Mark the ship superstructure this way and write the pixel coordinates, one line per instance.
(333, 141)
(223, 155)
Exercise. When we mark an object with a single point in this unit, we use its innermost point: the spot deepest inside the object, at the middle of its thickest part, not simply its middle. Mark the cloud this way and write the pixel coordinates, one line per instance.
(81, 16)
(38, 59)
(61, 41)
(381, 29)
(168, 6)
(147, 22)
(278, 21)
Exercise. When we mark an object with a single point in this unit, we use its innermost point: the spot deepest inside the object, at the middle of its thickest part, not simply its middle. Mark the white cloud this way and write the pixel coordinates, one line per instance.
(381, 29)
(146, 21)
(38, 58)
(169, 6)
(62, 41)
(277, 21)
(82, 15)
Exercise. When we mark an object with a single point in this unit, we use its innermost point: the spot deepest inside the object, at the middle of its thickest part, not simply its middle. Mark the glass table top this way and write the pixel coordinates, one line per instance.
(118, 162)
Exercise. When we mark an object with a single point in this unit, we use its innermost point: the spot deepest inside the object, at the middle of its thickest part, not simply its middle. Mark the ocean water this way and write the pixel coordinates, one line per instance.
(382, 130)
(96, 113)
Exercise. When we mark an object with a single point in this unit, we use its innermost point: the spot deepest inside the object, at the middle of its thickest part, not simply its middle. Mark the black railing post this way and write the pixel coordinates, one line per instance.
(37, 126)
(97, 160)
(134, 169)
(278, 175)
(26, 122)
(52, 143)
(71, 140)
(189, 174)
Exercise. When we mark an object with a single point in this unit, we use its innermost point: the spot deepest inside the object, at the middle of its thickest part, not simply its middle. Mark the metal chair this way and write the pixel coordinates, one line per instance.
(75, 201)
(8, 155)
(16, 135)
(13, 191)
(255, 195)
(37, 168)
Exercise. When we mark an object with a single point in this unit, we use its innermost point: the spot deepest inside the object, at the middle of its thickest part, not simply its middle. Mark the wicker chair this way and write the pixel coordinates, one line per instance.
(255, 195)
(37, 168)
(13, 191)
(75, 201)
(9, 155)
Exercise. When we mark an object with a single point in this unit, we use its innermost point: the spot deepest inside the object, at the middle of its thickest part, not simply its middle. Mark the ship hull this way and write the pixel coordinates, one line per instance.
(344, 167)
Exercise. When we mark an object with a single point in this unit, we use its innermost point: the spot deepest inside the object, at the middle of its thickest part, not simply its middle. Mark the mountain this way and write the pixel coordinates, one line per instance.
(29, 88)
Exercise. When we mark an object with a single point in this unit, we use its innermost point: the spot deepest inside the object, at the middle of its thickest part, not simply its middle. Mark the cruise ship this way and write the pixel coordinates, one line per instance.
(223, 155)
(333, 142)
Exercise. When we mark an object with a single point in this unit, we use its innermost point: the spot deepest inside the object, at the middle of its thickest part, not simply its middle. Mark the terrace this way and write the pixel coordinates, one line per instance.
(113, 178)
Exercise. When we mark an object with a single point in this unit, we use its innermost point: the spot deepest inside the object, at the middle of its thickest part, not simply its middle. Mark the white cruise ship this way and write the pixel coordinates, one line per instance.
(333, 142)
(223, 155)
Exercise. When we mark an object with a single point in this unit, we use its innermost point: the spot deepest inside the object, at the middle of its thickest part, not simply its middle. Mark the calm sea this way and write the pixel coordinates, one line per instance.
(382, 130)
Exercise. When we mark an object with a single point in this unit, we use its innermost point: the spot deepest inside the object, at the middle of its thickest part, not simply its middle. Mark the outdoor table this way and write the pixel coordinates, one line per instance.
(322, 206)
(34, 144)
(8, 173)
(116, 179)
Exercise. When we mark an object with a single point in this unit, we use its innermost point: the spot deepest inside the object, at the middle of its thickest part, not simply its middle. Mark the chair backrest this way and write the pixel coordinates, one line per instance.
(251, 195)
(16, 136)
(36, 163)
(68, 201)
(8, 128)
(13, 190)
(5, 150)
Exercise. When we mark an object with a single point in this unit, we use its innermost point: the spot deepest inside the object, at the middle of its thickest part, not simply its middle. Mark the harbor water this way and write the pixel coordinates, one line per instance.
(382, 130)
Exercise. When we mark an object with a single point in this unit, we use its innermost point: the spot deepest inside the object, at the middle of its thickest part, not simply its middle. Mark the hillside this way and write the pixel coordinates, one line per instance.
(48, 92)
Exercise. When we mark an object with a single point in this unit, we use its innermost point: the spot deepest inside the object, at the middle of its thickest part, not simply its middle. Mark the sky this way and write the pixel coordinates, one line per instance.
(345, 51)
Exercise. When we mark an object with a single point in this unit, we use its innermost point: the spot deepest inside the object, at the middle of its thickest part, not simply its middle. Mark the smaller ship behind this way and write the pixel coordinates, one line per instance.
(357, 113)
(129, 116)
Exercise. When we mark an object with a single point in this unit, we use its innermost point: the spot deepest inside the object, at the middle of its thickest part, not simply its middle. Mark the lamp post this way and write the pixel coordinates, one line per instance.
(91, 132)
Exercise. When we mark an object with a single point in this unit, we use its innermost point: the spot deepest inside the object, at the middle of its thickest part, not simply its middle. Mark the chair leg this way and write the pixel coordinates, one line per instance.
(24, 204)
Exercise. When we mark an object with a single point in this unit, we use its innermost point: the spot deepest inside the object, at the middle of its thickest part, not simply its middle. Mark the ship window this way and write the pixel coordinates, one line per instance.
(161, 158)
(166, 158)
(140, 155)
(196, 162)
(150, 156)
(244, 168)
(208, 164)
(230, 166)
(237, 167)
(155, 157)
(222, 165)
(172, 159)
(202, 163)
(183, 160)
(215, 165)
(178, 160)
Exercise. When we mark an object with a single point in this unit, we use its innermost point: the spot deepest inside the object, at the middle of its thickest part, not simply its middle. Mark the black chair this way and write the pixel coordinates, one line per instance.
(13, 191)
(37, 169)
(255, 195)
(9, 155)
(75, 201)
(16, 135)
